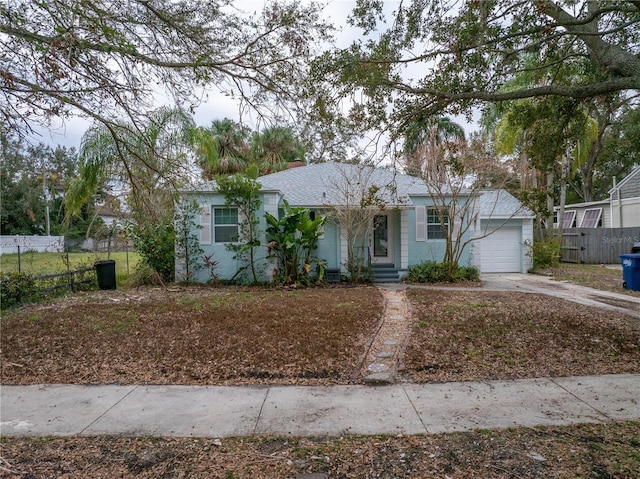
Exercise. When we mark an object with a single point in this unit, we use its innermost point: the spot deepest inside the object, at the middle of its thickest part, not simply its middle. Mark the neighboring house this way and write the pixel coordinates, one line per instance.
(505, 228)
(625, 201)
(110, 210)
(407, 231)
(593, 214)
(620, 210)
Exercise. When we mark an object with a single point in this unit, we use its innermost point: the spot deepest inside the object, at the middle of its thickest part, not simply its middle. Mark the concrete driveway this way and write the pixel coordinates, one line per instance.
(531, 283)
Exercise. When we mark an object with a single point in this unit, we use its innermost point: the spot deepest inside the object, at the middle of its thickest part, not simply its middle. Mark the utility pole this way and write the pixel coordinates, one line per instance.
(46, 202)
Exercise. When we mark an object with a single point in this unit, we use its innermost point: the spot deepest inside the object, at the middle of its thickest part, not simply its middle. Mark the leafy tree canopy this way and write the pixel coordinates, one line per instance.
(450, 56)
(227, 147)
(151, 163)
(108, 60)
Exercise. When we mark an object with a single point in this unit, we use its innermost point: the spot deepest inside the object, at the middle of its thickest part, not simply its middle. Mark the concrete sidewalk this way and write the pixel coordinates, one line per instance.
(220, 411)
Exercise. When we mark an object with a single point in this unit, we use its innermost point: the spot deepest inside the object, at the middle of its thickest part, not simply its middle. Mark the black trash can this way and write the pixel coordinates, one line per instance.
(106, 272)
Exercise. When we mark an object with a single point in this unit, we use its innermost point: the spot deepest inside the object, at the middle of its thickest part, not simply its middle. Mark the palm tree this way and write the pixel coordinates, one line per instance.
(273, 148)
(222, 148)
(423, 145)
(150, 161)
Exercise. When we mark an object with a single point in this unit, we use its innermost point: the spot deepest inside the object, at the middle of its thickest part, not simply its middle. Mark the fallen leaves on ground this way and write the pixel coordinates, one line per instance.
(471, 336)
(192, 335)
(589, 450)
(591, 275)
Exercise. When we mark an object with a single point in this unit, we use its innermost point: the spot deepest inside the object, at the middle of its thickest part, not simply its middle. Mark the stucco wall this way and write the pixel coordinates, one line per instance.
(9, 244)
(430, 249)
(328, 245)
(331, 247)
(226, 266)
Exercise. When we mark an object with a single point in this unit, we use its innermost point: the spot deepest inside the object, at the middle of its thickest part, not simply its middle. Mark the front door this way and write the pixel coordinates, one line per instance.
(381, 244)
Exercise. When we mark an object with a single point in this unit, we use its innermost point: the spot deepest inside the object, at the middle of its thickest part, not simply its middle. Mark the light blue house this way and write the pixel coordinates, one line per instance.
(404, 229)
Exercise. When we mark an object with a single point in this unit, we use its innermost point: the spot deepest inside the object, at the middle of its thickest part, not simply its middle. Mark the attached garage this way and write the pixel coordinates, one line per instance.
(501, 252)
(507, 227)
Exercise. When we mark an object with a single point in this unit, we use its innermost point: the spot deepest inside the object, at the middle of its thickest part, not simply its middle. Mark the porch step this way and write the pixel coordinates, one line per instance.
(385, 273)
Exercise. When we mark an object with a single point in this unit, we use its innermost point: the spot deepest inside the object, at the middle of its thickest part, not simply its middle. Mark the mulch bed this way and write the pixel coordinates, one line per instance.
(461, 336)
(590, 450)
(193, 335)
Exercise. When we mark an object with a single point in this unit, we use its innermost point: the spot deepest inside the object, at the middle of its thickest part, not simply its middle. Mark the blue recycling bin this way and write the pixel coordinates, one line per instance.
(631, 271)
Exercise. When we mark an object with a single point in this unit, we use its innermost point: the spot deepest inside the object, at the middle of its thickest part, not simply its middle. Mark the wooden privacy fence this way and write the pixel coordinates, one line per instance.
(597, 245)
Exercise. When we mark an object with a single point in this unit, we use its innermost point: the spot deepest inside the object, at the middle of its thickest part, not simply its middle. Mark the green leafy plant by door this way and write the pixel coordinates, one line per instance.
(292, 239)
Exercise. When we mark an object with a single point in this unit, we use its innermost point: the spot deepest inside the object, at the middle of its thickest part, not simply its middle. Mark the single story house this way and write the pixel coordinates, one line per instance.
(620, 210)
(407, 231)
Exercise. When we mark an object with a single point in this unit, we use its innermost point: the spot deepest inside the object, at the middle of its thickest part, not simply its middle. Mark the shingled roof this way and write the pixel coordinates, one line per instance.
(320, 184)
(501, 204)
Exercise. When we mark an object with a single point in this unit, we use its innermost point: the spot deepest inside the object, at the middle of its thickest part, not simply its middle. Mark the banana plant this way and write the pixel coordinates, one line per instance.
(292, 239)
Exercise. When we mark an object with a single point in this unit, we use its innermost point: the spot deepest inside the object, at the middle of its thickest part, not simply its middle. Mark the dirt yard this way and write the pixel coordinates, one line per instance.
(202, 335)
(470, 336)
(192, 336)
(588, 451)
(591, 275)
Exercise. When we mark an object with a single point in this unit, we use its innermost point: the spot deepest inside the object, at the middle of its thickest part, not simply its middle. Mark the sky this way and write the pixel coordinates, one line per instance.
(217, 105)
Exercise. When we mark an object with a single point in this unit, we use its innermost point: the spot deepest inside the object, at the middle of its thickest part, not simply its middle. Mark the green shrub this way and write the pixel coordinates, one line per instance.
(16, 288)
(467, 273)
(155, 243)
(544, 253)
(432, 272)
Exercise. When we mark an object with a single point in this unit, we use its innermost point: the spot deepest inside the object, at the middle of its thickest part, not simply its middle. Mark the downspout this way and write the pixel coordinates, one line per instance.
(620, 209)
(611, 203)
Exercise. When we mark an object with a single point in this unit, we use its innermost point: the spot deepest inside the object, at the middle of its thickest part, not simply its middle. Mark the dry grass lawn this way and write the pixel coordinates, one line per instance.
(591, 275)
(192, 335)
(589, 451)
(470, 336)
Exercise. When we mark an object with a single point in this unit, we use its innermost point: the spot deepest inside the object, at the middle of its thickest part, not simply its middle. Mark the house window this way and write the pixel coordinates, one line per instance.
(569, 219)
(225, 229)
(437, 228)
(591, 218)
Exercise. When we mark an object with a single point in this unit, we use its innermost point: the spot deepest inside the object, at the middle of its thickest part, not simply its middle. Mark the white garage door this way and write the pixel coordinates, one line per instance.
(501, 252)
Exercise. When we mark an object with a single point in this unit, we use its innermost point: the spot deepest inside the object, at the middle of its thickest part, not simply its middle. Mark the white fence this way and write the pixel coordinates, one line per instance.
(10, 244)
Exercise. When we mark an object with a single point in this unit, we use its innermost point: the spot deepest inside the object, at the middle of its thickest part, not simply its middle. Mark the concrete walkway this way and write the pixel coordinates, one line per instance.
(218, 411)
(531, 283)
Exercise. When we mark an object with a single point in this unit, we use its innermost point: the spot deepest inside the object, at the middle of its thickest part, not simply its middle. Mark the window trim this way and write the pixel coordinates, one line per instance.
(216, 225)
(205, 225)
(572, 214)
(421, 220)
(597, 220)
(444, 229)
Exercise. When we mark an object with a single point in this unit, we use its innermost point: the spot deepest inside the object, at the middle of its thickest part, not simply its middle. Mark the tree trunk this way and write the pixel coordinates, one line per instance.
(550, 200)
